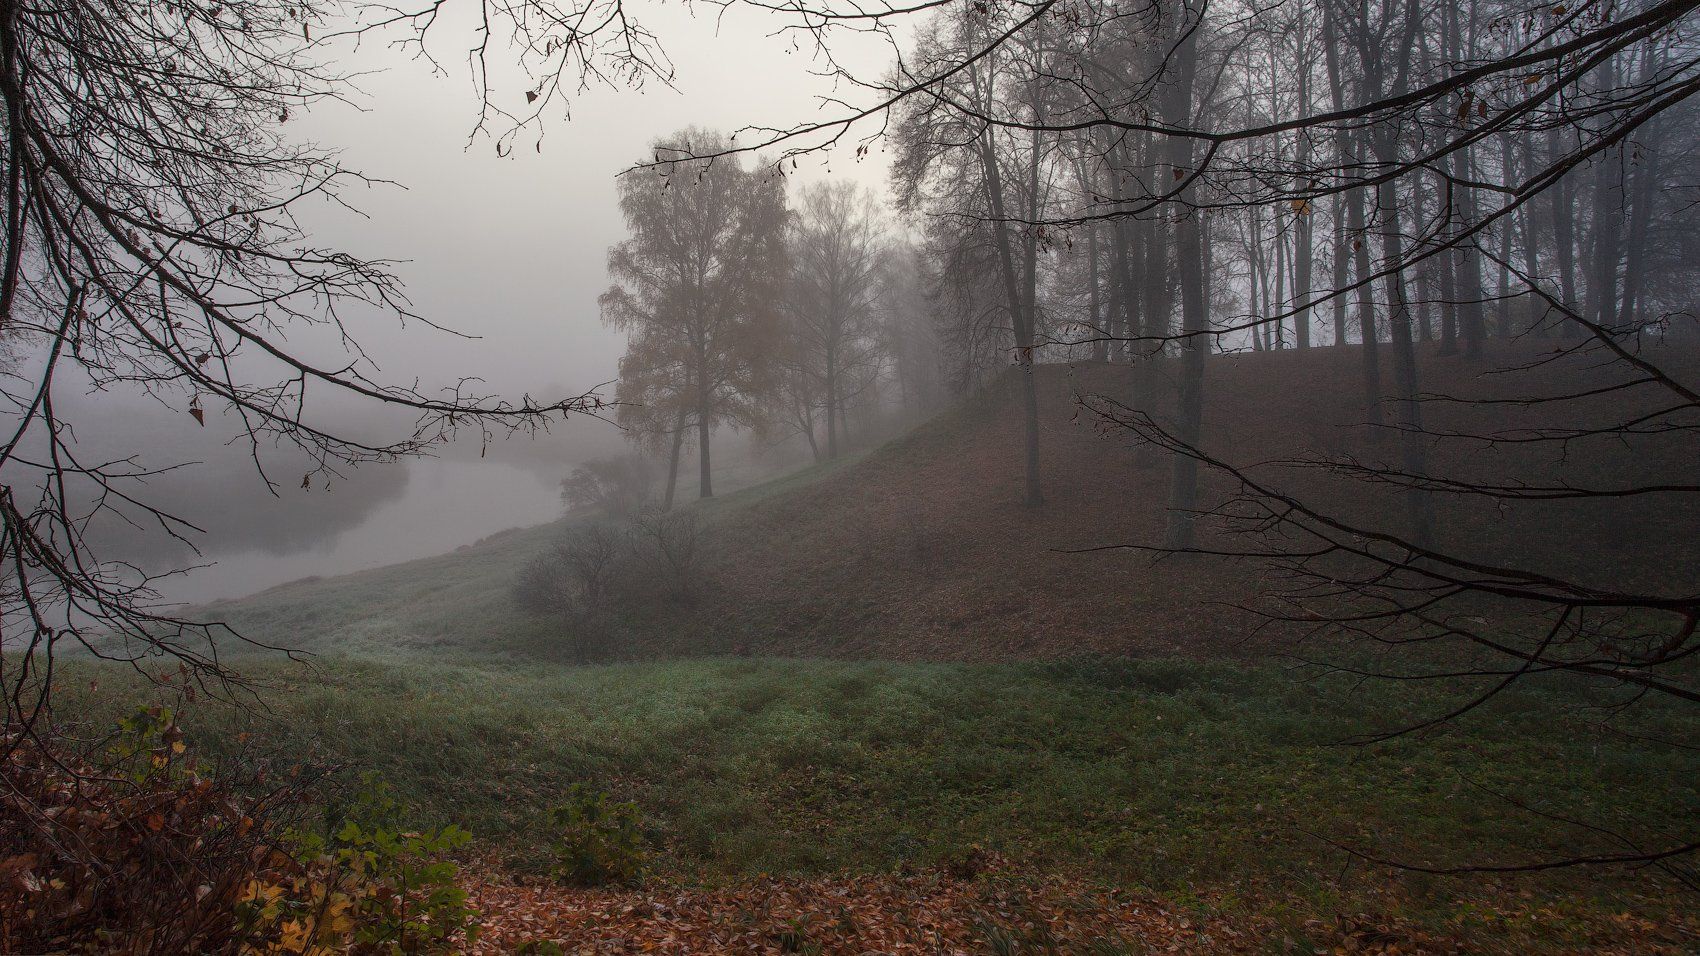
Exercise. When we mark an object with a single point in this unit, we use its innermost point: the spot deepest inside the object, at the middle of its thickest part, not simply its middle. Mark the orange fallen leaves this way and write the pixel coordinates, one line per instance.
(934, 912)
(950, 911)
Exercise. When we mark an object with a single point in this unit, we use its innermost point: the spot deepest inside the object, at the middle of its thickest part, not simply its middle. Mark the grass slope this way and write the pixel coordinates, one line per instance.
(455, 604)
(965, 709)
(1215, 784)
(919, 549)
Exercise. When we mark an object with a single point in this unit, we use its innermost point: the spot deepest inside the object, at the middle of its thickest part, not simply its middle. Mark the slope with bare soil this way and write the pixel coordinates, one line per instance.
(924, 550)
(921, 548)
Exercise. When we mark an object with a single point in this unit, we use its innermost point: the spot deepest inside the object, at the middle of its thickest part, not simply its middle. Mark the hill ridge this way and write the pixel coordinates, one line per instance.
(920, 547)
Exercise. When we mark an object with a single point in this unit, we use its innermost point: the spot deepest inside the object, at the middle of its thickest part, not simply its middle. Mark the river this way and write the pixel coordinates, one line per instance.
(441, 505)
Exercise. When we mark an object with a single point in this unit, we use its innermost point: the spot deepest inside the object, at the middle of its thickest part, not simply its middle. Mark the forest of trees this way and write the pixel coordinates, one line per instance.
(1153, 184)
(1410, 179)
(794, 316)
(1115, 186)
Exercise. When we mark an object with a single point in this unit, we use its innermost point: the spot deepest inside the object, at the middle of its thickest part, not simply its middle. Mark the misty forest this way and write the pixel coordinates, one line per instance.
(849, 476)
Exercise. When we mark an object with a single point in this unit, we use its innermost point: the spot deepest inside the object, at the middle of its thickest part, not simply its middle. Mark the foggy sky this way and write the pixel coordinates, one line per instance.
(510, 250)
(514, 249)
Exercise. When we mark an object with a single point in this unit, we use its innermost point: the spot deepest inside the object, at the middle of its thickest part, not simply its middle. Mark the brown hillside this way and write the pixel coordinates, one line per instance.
(923, 549)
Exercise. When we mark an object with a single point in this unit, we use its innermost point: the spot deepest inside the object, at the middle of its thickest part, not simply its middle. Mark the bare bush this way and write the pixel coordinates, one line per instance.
(594, 558)
(601, 566)
(575, 580)
(672, 550)
(576, 576)
(619, 487)
(144, 856)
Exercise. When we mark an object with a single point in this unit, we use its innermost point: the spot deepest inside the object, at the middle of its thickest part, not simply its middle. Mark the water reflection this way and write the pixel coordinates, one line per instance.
(439, 505)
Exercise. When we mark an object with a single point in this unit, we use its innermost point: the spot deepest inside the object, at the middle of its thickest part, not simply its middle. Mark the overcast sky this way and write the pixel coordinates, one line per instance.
(514, 249)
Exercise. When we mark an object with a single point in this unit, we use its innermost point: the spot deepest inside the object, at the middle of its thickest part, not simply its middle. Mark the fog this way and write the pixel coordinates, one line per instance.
(506, 253)
(1177, 476)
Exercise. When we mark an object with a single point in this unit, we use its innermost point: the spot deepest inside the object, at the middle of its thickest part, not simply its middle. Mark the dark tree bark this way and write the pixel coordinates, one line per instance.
(1305, 225)
(705, 477)
(1195, 319)
(1414, 453)
(1606, 229)
(673, 462)
(1357, 230)
(1016, 288)
(1564, 234)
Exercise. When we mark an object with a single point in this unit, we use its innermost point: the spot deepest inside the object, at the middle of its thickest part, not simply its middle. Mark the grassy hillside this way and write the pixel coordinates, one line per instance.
(1099, 716)
(457, 603)
(1218, 786)
(920, 548)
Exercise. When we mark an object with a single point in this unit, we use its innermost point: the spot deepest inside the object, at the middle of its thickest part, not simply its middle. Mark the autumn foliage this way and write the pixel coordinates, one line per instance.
(143, 855)
(141, 851)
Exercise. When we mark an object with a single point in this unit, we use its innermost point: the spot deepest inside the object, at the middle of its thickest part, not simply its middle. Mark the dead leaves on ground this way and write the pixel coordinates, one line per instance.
(990, 908)
(936, 912)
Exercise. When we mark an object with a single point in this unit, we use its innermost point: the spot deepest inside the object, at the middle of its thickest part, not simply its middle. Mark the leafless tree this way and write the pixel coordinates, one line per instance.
(834, 246)
(151, 246)
(674, 546)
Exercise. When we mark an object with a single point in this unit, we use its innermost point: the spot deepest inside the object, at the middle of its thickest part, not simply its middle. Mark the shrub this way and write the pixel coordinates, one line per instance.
(673, 549)
(130, 848)
(545, 586)
(374, 884)
(619, 487)
(594, 558)
(576, 576)
(575, 579)
(598, 841)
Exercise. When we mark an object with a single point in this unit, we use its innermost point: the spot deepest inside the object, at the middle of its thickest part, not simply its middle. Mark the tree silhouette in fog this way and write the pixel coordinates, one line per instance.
(696, 286)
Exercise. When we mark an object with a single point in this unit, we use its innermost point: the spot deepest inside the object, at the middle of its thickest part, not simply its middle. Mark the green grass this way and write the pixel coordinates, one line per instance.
(1193, 780)
(458, 603)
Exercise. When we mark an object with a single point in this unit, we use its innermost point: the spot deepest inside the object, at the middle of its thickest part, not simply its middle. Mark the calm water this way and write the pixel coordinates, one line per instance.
(442, 505)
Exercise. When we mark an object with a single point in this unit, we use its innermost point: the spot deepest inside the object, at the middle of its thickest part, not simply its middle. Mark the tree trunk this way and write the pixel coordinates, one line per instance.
(809, 433)
(832, 419)
(1467, 261)
(1030, 308)
(1640, 221)
(1507, 175)
(1409, 413)
(1531, 235)
(1564, 235)
(673, 462)
(1280, 301)
(706, 483)
(1195, 319)
(1257, 286)
(1357, 230)
(1305, 223)
(1448, 296)
(1189, 426)
(1368, 333)
(1641, 208)
(1342, 253)
(1100, 346)
(1022, 322)
(1156, 307)
(1414, 453)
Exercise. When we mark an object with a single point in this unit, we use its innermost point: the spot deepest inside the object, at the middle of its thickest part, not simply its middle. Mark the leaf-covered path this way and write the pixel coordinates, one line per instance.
(935, 912)
(985, 907)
